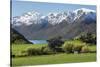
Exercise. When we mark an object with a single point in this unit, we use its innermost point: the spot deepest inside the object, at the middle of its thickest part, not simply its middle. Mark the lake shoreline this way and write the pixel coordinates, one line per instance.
(38, 41)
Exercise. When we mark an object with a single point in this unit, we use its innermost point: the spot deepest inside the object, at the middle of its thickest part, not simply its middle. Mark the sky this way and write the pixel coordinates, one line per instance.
(21, 7)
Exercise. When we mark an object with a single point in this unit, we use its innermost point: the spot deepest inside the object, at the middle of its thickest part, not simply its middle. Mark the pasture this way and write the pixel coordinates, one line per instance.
(54, 59)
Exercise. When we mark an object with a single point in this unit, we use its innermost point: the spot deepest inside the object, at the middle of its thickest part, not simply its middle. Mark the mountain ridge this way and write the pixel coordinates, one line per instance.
(53, 18)
(65, 24)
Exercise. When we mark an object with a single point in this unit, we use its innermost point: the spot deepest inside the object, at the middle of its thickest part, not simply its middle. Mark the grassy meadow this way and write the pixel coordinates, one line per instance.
(49, 59)
(54, 59)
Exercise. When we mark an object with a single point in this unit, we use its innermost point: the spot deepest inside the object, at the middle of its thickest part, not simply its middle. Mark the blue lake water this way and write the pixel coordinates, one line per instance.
(38, 41)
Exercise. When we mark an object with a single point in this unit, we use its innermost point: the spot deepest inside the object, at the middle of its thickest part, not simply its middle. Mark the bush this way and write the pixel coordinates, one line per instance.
(21, 54)
(47, 51)
(67, 47)
(85, 49)
(71, 47)
(34, 51)
(77, 47)
(39, 51)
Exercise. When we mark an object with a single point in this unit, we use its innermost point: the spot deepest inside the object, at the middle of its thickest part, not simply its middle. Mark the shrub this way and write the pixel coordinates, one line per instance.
(21, 54)
(34, 51)
(85, 49)
(71, 47)
(39, 51)
(77, 47)
(47, 51)
(67, 47)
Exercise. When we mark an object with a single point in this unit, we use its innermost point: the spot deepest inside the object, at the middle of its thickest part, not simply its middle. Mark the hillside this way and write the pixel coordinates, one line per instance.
(16, 37)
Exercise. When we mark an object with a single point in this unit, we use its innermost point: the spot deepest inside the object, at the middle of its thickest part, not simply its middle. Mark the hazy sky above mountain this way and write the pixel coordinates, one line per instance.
(20, 7)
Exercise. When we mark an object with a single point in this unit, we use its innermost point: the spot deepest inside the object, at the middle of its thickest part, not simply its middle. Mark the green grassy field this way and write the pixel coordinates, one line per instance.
(49, 59)
(54, 59)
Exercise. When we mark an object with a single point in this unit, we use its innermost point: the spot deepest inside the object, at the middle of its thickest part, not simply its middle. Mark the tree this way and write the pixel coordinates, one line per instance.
(55, 43)
(88, 38)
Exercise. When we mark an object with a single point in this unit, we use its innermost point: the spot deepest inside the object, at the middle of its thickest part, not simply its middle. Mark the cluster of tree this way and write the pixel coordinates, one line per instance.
(69, 47)
(88, 38)
(55, 43)
(54, 46)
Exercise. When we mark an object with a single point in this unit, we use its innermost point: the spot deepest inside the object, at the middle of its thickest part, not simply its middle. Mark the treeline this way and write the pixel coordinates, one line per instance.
(58, 45)
(87, 37)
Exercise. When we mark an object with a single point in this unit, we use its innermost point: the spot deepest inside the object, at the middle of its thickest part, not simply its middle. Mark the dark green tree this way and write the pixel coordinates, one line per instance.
(88, 38)
(55, 43)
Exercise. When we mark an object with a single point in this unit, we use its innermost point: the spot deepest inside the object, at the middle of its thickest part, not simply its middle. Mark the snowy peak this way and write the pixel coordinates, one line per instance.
(56, 18)
(84, 13)
(34, 17)
(26, 19)
(83, 10)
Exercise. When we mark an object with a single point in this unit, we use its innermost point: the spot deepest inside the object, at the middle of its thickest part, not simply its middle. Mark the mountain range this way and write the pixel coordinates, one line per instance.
(68, 24)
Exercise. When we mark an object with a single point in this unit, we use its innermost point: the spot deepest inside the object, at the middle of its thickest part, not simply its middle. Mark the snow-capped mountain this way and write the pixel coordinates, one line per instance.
(84, 12)
(27, 19)
(34, 17)
(35, 25)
